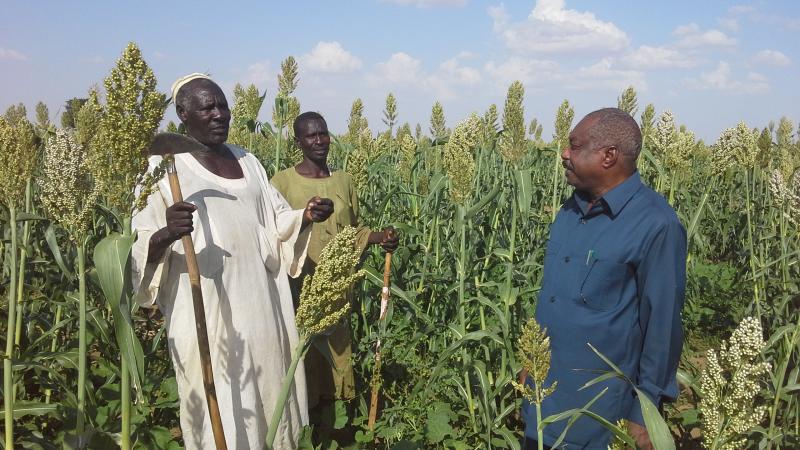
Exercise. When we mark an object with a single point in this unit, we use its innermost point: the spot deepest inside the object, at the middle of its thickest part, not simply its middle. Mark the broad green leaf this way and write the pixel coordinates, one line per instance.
(340, 411)
(111, 260)
(524, 189)
(24, 408)
(437, 427)
(657, 428)
(52, 243)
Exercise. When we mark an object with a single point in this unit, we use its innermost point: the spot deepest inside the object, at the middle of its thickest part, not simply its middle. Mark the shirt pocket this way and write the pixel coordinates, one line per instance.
(602, 285)
(343, 211)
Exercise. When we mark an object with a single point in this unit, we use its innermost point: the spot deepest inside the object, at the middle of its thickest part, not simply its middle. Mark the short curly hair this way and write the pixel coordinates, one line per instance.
(614, 126)
(305, 117)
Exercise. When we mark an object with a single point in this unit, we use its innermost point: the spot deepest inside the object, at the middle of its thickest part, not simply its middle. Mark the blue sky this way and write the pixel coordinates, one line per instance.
(712, 63)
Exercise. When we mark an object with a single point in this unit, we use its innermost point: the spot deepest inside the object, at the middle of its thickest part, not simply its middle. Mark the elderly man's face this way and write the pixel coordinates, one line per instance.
(582, 160)
(206, 116)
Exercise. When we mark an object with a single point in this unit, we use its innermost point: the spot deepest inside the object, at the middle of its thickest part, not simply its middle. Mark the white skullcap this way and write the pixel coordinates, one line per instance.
(180, 82)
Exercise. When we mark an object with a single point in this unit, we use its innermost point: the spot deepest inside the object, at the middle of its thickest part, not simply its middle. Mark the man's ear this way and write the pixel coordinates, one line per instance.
(611, 156)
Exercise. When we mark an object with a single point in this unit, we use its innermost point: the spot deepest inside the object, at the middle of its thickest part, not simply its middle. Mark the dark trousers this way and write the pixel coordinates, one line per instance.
(530, 444)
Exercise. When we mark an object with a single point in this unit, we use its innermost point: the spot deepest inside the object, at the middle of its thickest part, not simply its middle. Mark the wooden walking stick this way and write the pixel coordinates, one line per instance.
(167, 145)
(373, 404)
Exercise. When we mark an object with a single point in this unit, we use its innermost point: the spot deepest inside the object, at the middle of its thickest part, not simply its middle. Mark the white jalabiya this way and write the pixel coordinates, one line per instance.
(247, 238)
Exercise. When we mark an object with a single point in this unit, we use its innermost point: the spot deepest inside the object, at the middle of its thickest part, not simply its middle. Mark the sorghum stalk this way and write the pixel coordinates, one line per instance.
(81, 244)
(125, 380)
(8, 377)
(750, 247)
(49, 392)
(286, 386)
(23, 257)
(462, 276)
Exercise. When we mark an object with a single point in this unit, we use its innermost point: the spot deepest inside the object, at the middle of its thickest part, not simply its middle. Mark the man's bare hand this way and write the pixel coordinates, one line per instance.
(639, 434)
(179, 220)
(318, 209)
(390, 240)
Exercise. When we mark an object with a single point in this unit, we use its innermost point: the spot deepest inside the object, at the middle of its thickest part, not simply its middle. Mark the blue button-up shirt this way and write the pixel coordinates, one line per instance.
(614, 276)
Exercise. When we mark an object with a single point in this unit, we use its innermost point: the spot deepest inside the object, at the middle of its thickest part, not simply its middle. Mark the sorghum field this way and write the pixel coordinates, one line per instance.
(83, 368)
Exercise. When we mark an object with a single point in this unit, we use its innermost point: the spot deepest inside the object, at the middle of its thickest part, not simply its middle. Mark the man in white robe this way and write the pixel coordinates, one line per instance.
(247, 239)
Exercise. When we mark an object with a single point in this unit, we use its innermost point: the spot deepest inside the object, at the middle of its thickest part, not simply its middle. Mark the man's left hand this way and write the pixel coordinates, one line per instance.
(639, 434)
(318, 209)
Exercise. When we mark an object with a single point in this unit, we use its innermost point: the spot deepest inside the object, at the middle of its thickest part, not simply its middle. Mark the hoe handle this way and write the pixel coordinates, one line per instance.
(199, 316)
(373, 404)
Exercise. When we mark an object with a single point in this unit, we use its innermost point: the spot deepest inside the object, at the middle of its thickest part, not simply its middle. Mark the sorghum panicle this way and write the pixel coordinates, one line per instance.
(323, 299)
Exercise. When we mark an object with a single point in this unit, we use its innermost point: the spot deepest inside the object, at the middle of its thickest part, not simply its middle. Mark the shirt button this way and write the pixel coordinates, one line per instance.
(566, 259)
(552, 299)
(583, 221)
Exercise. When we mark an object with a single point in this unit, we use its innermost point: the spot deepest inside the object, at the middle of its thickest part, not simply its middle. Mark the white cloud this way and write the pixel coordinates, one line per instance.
(453, 70)
(11, 55)
(647, 57)
(772, 58)
(552, 28)
(97, 59)
(428, 3)
(741, 9)
(729, 23)
(528, 71)
(329, 57)
(539, 74)
(259, 74)
(721, 79)
(399, 68)
(402, 69)
(692, 36)
(754, 15)
(159, 55)
(603, 74)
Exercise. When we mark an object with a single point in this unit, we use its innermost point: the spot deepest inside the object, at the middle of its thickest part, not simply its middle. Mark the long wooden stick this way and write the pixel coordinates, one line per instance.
(199, 316)
(373, 404)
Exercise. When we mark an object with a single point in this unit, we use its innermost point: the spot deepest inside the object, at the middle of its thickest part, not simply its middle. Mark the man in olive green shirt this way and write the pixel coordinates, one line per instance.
(329, 371)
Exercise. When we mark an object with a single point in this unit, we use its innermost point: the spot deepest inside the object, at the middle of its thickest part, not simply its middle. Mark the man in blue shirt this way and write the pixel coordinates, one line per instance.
(614, 276)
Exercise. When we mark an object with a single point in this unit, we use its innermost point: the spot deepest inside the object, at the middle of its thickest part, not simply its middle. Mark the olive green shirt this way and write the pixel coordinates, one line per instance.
(298, 190)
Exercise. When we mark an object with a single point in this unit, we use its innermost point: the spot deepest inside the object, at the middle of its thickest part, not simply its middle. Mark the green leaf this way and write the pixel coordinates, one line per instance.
(477, 207)
(27, 408)
(511, 439)
(605, 376)
(111, 260)
(340, 411)
(438, 426)
(610, 364)
(52, 242)
(657, 428)
(444, 357)
(524, 190)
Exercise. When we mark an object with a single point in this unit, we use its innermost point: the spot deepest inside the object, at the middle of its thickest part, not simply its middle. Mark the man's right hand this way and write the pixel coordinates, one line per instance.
(179, 224)
(179, 220)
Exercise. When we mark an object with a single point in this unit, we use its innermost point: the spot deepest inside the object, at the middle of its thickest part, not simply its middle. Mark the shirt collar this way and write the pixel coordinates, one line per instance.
(615, 199)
